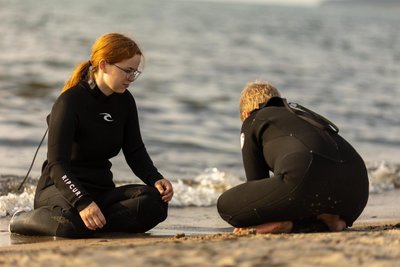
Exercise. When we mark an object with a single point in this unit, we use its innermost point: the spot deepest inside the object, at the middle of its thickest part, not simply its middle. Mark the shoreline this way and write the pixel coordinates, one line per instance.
(376, 246)
(198, 237)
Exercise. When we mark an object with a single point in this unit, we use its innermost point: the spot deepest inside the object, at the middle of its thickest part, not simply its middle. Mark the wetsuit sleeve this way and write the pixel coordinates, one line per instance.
(62, 128)
(254, 163)
(135, 151)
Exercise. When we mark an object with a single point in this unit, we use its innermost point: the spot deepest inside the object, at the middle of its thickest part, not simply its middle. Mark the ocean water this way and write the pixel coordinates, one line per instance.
(343, 62)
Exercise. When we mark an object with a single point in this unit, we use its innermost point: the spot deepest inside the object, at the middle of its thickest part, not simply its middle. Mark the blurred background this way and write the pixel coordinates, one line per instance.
(339, 58)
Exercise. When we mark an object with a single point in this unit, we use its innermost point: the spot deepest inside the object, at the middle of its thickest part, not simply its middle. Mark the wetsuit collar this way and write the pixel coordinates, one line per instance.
(96, 92)
(273, 101)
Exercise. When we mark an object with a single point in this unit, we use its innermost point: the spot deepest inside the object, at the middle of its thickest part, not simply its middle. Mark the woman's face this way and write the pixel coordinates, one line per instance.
(117, 77)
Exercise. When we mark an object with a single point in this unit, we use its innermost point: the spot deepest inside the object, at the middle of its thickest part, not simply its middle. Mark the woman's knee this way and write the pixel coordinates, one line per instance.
(225, 207)
(149, 204)
(221, 204)
(152, 208)
(151, 211)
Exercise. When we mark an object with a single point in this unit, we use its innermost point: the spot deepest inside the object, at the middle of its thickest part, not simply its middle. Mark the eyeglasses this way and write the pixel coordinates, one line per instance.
(130, 74)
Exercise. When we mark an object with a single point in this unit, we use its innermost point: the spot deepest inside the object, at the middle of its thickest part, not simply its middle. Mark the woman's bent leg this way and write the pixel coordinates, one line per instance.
(49, 221)
(52, 216)
(132, 208)
(258, 202)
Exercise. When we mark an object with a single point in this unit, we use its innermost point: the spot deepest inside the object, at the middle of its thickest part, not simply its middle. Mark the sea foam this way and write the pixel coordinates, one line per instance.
(202, 190)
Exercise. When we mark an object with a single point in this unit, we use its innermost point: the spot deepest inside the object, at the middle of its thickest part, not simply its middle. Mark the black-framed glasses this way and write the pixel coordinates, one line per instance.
(130, 74)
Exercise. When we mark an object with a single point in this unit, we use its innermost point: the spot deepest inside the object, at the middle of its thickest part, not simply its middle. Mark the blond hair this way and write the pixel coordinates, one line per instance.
(254, 94)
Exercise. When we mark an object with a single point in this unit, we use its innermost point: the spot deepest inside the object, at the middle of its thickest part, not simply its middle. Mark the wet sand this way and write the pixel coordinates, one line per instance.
(198, 237)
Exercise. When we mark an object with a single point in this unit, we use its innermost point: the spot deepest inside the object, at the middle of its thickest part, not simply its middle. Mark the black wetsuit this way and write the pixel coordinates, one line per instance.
(86, 129)
(315, 171)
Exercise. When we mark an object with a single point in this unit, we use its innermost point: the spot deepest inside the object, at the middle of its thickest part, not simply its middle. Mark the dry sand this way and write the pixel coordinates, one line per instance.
(374, 240)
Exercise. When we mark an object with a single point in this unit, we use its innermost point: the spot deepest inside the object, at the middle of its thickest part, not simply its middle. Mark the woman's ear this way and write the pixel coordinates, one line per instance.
(102, 65)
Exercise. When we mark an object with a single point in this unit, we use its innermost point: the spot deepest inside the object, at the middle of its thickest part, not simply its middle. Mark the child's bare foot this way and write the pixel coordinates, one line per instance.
(334, 223)
(267, 228)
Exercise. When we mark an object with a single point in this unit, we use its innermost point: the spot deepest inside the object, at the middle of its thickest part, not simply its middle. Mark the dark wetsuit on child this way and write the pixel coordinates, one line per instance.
(86, 129)
(315, 170)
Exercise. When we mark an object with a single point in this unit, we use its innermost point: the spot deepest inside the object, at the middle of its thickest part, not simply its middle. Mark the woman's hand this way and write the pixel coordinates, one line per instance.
(93, 217)
(165, 188)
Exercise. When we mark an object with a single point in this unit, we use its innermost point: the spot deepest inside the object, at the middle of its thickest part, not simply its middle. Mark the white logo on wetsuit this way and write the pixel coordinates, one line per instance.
(107, 116)
(241, 140)
(71, 186)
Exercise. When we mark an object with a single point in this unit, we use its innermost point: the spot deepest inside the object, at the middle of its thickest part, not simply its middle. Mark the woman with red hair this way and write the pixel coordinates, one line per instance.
(91, 121)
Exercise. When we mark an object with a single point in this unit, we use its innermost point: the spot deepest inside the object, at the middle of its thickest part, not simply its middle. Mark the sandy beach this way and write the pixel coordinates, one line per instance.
(374, 240)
